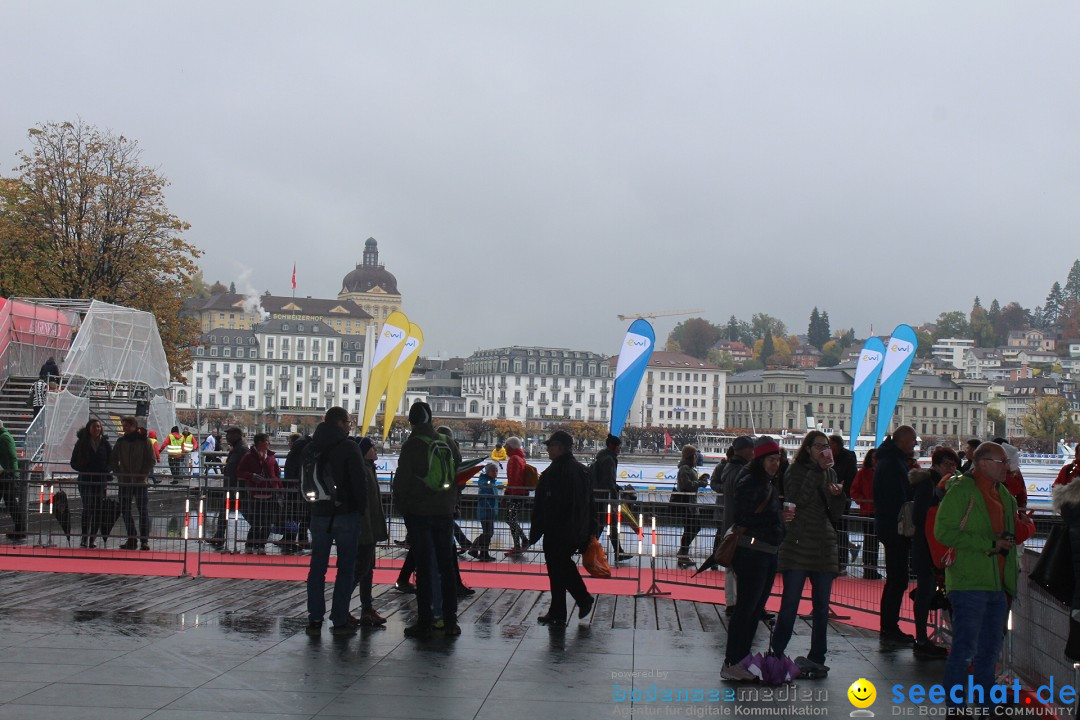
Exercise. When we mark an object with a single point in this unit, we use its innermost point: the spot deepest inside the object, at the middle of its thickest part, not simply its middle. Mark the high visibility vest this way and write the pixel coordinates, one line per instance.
(175, 446)
(189, 443)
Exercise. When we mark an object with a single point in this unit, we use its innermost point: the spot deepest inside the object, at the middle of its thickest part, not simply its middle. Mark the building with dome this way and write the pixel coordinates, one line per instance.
(372, 286)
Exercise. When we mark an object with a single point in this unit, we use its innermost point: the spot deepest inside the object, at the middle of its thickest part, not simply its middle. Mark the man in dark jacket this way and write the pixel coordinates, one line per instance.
(12, 491)
(429, 520)
(335, 521)
(846, 466)
(891, 491)
(234, 437)
(607, 491)
(133, 460)
(296, 510)
(563, 515)
(723, 483)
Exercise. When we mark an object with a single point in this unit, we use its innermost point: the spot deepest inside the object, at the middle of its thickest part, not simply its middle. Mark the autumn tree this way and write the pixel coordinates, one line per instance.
(477, 428)
(1049, 418)
(997, 420)
(1012, 317)
(506, 428)
(85, 218)
(695, 337)
(982, 330)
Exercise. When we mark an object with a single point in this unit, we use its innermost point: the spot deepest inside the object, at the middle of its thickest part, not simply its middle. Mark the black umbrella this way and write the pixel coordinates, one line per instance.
(62, 512)
(709, 564)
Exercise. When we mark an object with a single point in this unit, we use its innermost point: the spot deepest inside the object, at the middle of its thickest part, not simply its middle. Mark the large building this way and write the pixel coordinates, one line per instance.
(537, 384)
(368, 295)
(680, 391)
(782, 400)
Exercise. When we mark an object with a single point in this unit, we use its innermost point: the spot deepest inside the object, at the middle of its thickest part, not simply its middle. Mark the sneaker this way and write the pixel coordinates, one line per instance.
(474, 553)
(620, 557)
(811, 669)
(418, 631)
(438, 625)
(896, 637)
(131, 544)
(405, 587)
(84, 543)
(929, 651)
(314, 627)
(451, 629)
(216, 542)
(145, 546)
(343, 630)
(586, 607)
(737, 673)
(550, 621)
(685, 562)
(371, 618)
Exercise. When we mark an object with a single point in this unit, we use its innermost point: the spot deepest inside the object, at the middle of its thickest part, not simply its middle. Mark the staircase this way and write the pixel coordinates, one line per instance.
(13, 410)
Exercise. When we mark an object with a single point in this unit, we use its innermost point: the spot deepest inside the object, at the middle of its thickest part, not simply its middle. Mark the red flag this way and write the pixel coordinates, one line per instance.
(668, 441)
(294, 276)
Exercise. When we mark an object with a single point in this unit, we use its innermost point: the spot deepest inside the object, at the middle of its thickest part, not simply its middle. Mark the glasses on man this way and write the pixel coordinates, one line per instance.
(1003, 461)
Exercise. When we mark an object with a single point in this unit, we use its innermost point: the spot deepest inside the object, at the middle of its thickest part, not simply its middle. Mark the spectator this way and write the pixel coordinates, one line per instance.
(977, 518)
(687, 484)
(564, 516)
(607, 491)
(924, 483)
(862, 491)
(487, 508)
(891, 491)
(39, 395)
(296, 513)
(516, 492)
(808, 551)
(372, 532)
(1014, 479)
(234, 436)
(846, 467)
(50, 371)
(1069, 471)
(969, 453)
(1066, 497)
(12, 489)
(723, 480)
(90, 458)
(335, 521)
(498, 454)
(261, 476)
(133, 460)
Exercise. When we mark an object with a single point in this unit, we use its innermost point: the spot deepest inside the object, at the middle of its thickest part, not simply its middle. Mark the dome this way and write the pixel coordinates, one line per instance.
(365, 277)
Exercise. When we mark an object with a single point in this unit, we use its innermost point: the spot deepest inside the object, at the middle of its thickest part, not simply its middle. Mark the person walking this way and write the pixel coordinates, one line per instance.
(808, 551)
(565, 518)
(12, 488)
(757, 509)
(90, 458)
(174, 450)
(516, 493)
(687, 484)
(487, 509)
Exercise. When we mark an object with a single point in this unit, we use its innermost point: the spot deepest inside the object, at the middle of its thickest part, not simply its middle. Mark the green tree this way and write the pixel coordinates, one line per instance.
(926, 342)
(768, 347)
(232, 288)
(762, 323)
(994, 312)
(721, 359)
(1072, 282)
(982, 330)
(997, 419)
(818, 332)
(952, 324)
(85, 218)
(1012, 317)
(1049, 418)
(695, 337)
(1055, 301)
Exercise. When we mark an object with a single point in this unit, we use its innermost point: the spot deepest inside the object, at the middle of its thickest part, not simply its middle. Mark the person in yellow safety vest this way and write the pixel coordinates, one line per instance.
(190, 445)
(174, 448)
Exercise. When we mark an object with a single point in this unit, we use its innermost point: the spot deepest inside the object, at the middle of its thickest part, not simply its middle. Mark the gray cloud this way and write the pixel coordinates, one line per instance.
(531, 171)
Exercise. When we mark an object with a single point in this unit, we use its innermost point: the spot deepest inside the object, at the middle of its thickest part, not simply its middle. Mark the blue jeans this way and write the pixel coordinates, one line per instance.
(325, 531)
(820, 593)
(432, 539)
(978, 633)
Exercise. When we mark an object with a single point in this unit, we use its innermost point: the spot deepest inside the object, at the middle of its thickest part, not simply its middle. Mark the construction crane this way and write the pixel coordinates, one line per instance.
(659, 314)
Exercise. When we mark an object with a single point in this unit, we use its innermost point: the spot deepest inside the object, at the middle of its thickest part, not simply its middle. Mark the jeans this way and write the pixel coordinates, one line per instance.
(92, 495)
(325, 531)
(432, 536)
(897, 557)
(820, 592)
(978, 633)
(142, 498)
(754, 572)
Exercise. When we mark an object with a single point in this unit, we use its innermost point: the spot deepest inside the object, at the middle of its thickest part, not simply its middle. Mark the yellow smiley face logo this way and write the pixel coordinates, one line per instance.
(862, 693)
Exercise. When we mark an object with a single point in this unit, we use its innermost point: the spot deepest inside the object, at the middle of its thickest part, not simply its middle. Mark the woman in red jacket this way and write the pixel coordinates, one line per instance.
(862, 492)
(516, 492)
(259, 472)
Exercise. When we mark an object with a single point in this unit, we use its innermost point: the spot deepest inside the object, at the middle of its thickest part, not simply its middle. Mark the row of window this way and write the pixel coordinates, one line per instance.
(553, 367)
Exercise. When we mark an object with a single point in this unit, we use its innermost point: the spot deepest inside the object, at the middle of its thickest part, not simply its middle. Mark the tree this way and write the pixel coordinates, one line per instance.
(1072, 282)
(86, 219)
(1055, 301)
(926, 342)
(217, 288)
(695, 337)
(721, 359)
(732, 331)
(1011, 317)
(506, 428)
(818, 333)
(830, 353)
(232, 288)
(997, 419)
(761, 323)
(982, 330)
(952, 324)
(994, 311)
(477, 428)
(1049, 418)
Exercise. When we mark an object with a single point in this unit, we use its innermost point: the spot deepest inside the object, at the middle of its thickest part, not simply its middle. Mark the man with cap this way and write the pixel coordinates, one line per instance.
(335, 521)
(429, 520)
(564, 516)
(742, 452)
(606, 492)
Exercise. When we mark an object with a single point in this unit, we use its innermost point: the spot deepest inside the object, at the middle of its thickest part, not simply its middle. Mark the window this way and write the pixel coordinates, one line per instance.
(227, 351)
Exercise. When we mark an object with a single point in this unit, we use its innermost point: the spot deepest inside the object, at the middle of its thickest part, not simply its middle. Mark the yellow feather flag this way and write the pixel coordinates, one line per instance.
(387, 349)
(399, 379)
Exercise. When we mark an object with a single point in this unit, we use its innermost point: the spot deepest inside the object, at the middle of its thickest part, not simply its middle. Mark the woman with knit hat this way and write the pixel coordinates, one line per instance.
(757, 509)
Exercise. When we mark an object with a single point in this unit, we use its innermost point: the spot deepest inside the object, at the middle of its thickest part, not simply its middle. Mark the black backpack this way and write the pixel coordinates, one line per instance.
(317, 481)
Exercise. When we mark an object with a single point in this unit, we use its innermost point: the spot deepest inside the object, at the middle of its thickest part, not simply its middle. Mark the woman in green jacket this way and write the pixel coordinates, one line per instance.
(813, 498)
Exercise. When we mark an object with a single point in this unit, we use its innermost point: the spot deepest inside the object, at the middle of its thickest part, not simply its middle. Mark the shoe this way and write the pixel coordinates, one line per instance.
(729, 610)
(929, 651)
(767, 616)
(488, 557)
(314, 627)
(451, 629)
(174, 482)
(550, 621)
(216, 542)
(685, 562)
(586, 607)
(405, 587)
(260, 550)
(737, 673)
(131, 544)
(463, 591)
(896, 637)
(144, 546)
(401, 543)
(418, 631)
(516, 550)
(371, 618)
(343, 630)
(620, 557)
(871, 575)
(810, 669)
(84, 543)
(462, 550)
(438, 625)
(91, 546)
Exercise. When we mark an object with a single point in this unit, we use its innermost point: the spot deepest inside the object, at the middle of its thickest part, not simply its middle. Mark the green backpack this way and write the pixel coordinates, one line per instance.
(441, 465)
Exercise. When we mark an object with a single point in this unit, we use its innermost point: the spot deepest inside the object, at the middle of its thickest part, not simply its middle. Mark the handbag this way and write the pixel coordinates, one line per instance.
(594, 561)
(1054, 571)
(905, 521)
(725, 551)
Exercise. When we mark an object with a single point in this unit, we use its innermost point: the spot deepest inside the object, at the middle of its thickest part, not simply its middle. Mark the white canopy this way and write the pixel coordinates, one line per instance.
(118, 344)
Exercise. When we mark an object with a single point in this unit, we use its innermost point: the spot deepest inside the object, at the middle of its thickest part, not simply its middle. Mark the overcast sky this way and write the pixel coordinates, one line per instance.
(531, 170)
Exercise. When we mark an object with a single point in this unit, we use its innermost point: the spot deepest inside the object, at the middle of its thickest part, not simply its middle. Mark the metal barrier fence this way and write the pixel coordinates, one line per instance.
(227, 526)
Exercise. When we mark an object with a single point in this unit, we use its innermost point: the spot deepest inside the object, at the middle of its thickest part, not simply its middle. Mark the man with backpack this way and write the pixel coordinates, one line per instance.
(425, 495)
(333, 480)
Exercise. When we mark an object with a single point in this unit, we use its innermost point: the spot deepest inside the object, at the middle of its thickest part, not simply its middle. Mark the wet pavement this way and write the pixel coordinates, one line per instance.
(97, 647)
